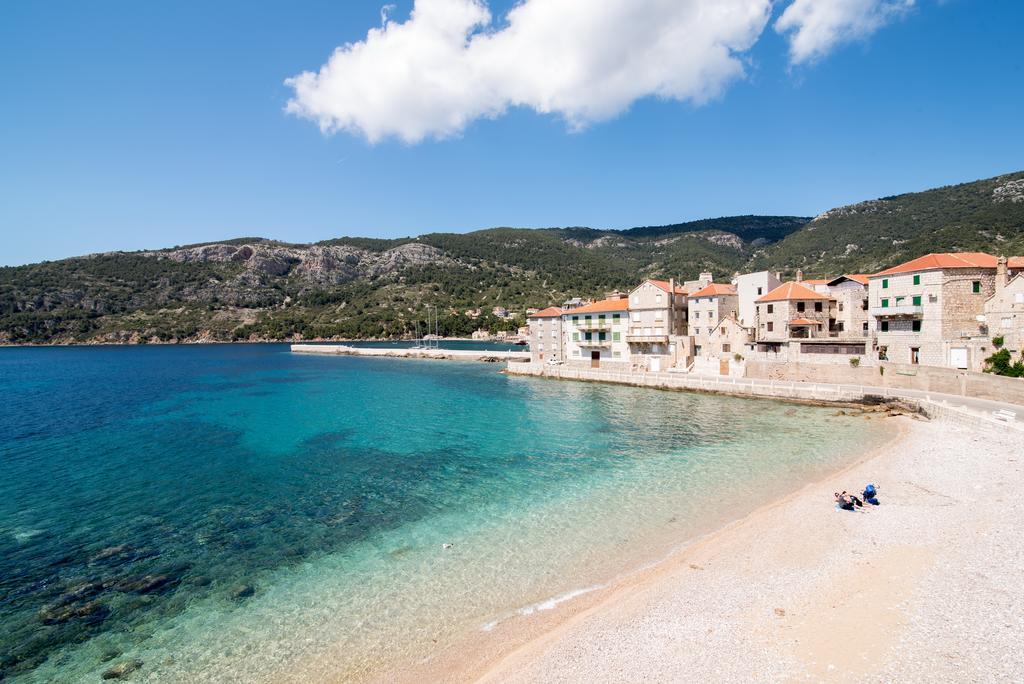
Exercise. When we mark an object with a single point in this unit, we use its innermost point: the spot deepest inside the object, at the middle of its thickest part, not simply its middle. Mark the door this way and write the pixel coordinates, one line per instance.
(723, 366)
(958, 357)
(595, 359)
(915, 355)
(656, 364)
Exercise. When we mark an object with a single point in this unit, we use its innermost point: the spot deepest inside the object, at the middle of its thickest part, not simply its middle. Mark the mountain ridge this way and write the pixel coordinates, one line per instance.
(255, 288)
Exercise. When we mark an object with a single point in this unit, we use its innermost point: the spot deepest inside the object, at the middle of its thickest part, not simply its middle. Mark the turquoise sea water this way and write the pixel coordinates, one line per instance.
(237, 513)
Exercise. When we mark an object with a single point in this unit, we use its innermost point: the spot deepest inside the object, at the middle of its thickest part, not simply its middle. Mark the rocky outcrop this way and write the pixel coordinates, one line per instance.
(1011, 191)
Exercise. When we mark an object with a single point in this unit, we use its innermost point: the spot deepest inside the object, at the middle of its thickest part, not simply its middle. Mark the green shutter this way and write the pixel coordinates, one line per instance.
(616, 337)
(885, 303)
(917, 280)
(885, 283)
(615, 317)
(976, 286)
(917, 300)
(575, 337)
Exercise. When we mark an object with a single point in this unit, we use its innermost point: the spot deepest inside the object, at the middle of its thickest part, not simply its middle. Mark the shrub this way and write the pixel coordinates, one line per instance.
(998, 341)
(855, 361)
(1001, 363)
(737, 357)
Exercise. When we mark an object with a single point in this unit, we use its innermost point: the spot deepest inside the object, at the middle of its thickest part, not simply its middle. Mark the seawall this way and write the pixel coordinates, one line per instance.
(458, 354)
(978, 412)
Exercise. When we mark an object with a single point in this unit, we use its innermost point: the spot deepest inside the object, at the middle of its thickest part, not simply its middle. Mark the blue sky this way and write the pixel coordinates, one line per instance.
(128, 125)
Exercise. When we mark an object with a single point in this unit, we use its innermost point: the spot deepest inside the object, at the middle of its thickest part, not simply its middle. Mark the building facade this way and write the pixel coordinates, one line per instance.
(547, 337)
(595, 334)
(930, 310)
(1004, 310)
(749, 288)
(657, 324)
(793, 311)
(851, 295)
(706, 308)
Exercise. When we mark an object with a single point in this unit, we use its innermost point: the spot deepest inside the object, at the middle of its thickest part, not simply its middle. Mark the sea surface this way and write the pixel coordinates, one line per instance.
(239, 513)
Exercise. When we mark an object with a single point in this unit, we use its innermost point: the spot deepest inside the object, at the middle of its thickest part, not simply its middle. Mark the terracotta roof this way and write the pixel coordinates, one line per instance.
(715, 290)
(789, 291)
(1015, 262)
(663, 285)
(815, 281)
(930, 262)
(602, 306)
(804, 321)
(550, 312)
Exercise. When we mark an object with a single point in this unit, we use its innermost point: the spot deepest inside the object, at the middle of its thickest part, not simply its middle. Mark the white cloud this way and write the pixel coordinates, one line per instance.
(816, 26)
(585, 60)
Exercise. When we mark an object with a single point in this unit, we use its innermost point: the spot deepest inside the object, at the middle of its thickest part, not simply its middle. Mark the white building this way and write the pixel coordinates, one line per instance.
(595, 334)
(749, 288)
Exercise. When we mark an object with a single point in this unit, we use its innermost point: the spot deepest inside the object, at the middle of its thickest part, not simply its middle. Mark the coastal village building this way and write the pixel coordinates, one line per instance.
(547, 340)
(725, 348)
(851, 294)
(595, 334)
(1004, 310)
(749, 287)
(793, 311)
(657, 324)
(706, 308)
(931, 310)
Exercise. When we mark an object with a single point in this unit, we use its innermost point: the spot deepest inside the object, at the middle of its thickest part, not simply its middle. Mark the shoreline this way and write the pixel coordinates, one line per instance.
(613, 620)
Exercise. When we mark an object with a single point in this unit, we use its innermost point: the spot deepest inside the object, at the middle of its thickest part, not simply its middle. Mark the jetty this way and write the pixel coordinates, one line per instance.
(490, 355)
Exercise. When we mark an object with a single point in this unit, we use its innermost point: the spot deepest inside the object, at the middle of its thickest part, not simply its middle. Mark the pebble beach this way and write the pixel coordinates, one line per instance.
(925, 586)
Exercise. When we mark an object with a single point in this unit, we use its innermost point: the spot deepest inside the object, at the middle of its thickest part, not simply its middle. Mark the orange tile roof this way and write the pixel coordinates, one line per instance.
(789, 291)
(550, 312)
(1015, 262)
(804, 321)
(715, 290)
(602, 306)
(930, 262)
(816, 281)
(663, 285)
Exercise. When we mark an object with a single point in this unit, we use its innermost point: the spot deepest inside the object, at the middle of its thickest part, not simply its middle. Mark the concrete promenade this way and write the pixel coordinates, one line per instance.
(458, 354)
(978, 411)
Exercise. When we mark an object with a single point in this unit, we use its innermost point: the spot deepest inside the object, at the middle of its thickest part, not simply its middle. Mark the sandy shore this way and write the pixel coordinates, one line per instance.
(925, 586)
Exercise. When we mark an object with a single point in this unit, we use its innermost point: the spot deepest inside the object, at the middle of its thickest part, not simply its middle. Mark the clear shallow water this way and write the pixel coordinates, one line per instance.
(237, 513)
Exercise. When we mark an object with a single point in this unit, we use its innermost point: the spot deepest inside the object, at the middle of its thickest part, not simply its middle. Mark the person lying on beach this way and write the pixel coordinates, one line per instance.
(844, 500)
(871, 494)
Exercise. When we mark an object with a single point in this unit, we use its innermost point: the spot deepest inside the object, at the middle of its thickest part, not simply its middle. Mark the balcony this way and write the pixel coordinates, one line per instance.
(640, 338)
(593, 325)
(595, 342)
(903, 310)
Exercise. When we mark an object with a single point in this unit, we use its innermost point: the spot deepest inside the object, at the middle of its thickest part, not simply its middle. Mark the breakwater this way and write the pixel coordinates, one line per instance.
(412, 353)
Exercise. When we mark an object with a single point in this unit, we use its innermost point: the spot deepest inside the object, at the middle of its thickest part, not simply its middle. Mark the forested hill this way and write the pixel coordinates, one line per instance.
(255, 288)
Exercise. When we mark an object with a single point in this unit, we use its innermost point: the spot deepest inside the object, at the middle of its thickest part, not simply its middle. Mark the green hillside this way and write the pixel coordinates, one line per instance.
(350, 287)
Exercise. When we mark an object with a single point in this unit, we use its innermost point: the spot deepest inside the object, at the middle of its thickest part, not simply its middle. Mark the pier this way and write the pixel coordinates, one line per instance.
(428, 353)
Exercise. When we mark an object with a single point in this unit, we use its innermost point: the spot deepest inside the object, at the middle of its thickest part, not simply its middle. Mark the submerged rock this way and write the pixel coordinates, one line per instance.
(148, 584)
(123, 668)
(110, 654)
(60, 613)
(242, 591)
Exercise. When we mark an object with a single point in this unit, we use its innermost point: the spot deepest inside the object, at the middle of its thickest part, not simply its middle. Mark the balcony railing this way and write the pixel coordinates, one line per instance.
(593, 325)
(652, 338)
(595, 342)
(897, 311)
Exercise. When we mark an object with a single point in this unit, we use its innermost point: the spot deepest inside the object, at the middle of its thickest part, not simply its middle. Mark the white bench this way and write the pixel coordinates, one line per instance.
(1003, 414)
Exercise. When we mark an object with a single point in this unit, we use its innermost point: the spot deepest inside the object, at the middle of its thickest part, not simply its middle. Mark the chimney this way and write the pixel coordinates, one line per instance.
(1000, 274)
(706, 278)
(799, 275)
(778, 276)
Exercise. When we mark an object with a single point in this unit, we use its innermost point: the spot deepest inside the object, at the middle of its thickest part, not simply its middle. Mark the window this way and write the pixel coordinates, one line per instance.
(696, 314)
(864, 326)
(899, 301)
(916, 300)
(587, 318)
(554, 334)
(917, 280)
(885, 303)
(1006, 322)
(976, 286)
(759, 290)
(817, 306)
(616, 337)
(601, 318)
(726, 348)
(885, 326)
(636, 316)
(885, 283)
(575, 337)
(840, 305)
(575, 352)
(696, 349)
(616, 355)
(696, 331)
(588, 336)
(800, 306)
(915, 326)
(615, 318)
(659, 315)
(915, 355)
(657, 299)
(575, 319)
(771, 308)
(601, 337)
(771, 326)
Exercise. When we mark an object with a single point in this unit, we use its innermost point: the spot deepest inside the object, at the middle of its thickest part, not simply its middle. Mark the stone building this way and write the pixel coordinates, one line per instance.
(706, 308)
(1004, 310)
(851, 294)
(793, 311)
(931, 310)
(595, 334)
(547, 339)
(657, 325)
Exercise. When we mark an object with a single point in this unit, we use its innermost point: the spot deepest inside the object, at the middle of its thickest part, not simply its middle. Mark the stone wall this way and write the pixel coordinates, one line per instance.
(896, 376)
